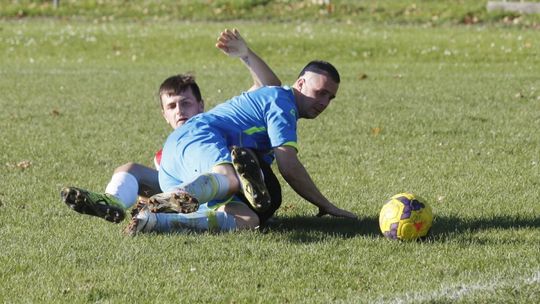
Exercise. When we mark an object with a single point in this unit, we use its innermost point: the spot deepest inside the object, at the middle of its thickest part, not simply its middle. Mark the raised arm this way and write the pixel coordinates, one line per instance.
(298, 178)
(231, 43)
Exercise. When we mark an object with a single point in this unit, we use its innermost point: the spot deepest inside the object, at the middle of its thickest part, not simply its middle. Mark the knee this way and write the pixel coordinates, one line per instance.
(127, 167)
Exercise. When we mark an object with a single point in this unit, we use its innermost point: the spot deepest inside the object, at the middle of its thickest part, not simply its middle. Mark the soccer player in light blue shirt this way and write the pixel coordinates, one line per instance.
(260, 120)
(197, 160)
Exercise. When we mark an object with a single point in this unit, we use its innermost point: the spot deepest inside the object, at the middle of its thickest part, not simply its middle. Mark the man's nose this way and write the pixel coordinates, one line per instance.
(178, 108)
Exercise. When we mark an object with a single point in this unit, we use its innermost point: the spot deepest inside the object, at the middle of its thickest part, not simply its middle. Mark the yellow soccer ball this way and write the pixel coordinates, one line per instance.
(405, 217)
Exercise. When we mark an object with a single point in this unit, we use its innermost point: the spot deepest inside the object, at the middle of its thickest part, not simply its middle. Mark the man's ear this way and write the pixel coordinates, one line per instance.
(299, 83)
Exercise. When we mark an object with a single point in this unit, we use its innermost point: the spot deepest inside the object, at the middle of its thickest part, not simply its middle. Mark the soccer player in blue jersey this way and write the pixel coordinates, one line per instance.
(180, 99)
(198, 165)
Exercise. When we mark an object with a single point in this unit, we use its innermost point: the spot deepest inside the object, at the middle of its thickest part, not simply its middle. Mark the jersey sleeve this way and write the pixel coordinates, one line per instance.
(281, 120)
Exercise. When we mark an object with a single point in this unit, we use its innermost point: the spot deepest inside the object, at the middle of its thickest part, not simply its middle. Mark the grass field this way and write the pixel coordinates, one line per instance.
(450, 112)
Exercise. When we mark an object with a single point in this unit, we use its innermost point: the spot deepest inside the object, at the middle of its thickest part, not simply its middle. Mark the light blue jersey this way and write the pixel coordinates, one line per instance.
(262, 119)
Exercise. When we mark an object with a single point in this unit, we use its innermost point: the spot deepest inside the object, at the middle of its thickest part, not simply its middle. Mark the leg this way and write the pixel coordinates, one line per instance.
(146, 178)
(221, 183)
(230, 217)
(127, 182)
(104, 206)
(245, 217)
(218, 185)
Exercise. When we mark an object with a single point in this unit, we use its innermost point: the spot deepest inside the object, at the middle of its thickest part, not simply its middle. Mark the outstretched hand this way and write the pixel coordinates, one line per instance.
(232, 44)
(334, 211)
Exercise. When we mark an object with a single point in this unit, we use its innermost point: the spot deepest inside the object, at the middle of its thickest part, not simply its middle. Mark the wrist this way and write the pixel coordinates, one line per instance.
(245, 59)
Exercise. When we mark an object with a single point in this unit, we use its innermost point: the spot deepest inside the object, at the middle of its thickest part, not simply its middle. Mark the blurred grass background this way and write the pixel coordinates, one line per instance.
(426, 12)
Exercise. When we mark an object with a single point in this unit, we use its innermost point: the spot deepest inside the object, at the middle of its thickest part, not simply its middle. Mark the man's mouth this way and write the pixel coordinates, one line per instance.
(180, 122)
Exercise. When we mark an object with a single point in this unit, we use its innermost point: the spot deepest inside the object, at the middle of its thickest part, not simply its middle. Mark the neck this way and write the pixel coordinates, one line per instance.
(297, 97)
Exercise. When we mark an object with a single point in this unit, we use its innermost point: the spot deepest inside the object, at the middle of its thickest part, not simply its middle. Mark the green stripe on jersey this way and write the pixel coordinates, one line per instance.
(254, 130)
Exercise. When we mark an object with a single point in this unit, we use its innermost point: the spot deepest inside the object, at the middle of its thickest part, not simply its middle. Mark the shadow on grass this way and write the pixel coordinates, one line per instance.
(307, 229)
(447, 228)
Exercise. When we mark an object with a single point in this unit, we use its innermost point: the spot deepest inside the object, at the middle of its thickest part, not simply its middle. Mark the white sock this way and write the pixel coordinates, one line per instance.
(125, 187)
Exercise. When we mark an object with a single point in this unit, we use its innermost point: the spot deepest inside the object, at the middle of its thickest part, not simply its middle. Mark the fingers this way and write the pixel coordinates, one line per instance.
(321, 213)
(337, 213)
(229, 35)
(222, 46)
(351, 216)
(226, 36)
(237, 34)
(224, 40)
(346, 214)
(232, 44)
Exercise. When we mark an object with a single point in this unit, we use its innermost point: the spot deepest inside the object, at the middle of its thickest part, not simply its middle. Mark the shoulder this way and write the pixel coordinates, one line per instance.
(273, 90)
(280, 95)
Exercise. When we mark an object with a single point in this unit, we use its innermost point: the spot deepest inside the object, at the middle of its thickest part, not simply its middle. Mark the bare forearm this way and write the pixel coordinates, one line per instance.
(298, 178)
(261, 73)
(232, 44)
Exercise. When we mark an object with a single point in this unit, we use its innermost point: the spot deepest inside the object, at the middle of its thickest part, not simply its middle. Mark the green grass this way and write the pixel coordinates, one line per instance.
(458, 109)
(426, 12)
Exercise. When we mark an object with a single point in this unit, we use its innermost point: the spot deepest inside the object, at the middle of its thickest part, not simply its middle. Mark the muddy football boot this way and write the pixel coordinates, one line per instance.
(101, 205)
(173, 202)
(248, 169)
(142, 220)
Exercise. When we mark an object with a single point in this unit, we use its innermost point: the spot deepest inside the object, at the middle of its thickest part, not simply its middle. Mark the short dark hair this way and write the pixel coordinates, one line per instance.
(321, 67)
(177, 84)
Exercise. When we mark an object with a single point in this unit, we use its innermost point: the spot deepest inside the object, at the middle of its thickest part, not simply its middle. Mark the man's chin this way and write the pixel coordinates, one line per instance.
(313, 115)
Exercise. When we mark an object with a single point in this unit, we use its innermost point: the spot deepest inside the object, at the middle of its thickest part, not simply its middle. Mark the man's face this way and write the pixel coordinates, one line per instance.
(317, 90)
(179, 108)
